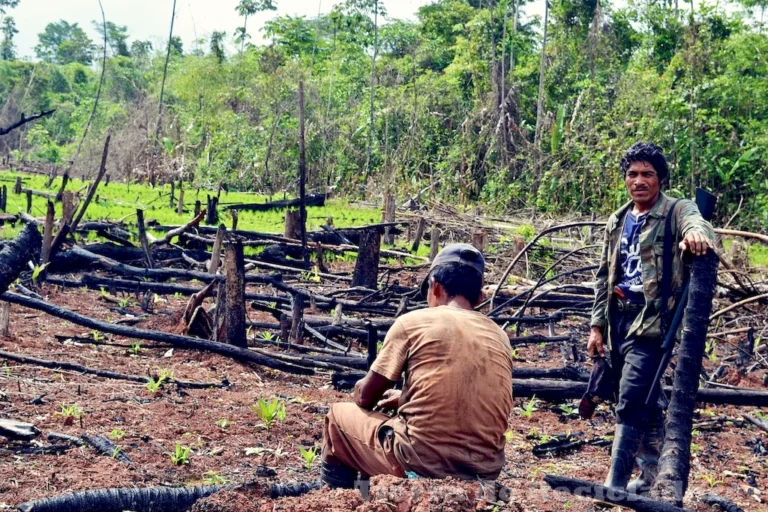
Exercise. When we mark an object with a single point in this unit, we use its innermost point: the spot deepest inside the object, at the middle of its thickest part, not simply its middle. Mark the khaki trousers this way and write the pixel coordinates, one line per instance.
(350, 436)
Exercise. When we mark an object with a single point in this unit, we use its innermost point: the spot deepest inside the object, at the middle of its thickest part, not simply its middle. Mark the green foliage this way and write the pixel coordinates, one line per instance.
(270, 411)
(180, 455)
(117, 434)
(529, 408)
(135, 348)
(223, 423)
(214, 478)
(71, 411)
(309, 456)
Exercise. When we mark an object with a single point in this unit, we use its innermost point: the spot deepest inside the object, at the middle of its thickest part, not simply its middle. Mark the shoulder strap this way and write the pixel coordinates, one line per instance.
(666, 272)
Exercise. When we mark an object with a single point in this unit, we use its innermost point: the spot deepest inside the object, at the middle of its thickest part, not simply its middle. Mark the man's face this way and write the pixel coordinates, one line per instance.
(642, 183)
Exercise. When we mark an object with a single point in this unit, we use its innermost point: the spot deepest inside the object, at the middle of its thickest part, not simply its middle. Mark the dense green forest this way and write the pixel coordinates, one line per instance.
(473, 102)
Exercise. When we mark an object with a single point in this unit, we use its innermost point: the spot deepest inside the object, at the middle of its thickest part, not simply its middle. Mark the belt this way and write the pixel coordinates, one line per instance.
(625, 306)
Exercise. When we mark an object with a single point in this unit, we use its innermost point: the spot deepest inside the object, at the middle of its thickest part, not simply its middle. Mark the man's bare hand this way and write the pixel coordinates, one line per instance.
(390, 399)
(595, 344)
(695, 243)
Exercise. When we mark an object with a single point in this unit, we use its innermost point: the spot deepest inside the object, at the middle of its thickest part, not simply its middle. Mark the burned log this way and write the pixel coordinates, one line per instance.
(71, 261)
(106, 447)
(721, 503)
(235, 295)
(675, 461)
(151, 499)
(16, 253)
(367, 265)
(591, 490)
(312, 200)
(145, 334)
(61, 365)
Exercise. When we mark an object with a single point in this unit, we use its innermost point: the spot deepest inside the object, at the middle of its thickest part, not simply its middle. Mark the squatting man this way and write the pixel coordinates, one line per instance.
(627, 312)
(456, 370)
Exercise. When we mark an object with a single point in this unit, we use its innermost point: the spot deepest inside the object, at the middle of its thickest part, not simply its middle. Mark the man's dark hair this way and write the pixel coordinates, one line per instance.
(458, 279)
(646, 152)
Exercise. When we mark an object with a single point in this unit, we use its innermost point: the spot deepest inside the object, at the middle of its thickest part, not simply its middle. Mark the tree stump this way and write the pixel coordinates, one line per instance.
(143, 239)
(480, 240)
(47, 234)
(234, 219)
(5, 317)
(419, 233)
(292, 224)
(67, 206)
(180, 205)
(212, 216)
(367, 267)
(198, 207)
(29, 201)
(234, 268)
(434, 243)
(3, 198)
(216, 253)
(17, 185)
(388, 215)
(172, 199)
(297, 317)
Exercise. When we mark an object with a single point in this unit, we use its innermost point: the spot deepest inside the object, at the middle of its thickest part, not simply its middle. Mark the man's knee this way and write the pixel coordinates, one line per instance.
(340, 413)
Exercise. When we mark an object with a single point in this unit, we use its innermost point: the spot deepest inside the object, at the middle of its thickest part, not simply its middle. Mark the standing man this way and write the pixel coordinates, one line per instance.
(454, 407)
(628, 310)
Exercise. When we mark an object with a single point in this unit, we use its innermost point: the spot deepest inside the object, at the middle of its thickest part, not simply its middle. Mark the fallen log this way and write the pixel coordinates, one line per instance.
(162, 274)
(585, 489)
(68, 261)
(16, 253)
(719, 502)
(311, 200)
(106, 447)
(188, 342)
(17, 430)
(151, 499)
(56, 365)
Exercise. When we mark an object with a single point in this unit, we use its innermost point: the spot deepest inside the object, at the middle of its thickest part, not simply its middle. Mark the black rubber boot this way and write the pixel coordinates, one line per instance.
(648, 459)
(337, 476)
(625, 444)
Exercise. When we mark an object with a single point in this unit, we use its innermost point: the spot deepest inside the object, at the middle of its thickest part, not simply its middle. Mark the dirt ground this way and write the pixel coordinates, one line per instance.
(728, 461)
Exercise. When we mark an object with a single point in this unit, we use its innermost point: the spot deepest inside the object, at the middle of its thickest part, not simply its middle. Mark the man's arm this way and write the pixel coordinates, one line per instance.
(697, 233)
(370, 389)
(598, 321)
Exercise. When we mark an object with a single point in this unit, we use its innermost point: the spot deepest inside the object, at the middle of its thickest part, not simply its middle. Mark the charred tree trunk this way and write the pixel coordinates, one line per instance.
(143, 239)
(234, 268)
(302, 181)
(675, 462)
(216, 252)
(297, 316)
(292, 224)
(16, 253)
(434, 243)
(419, 233)
(388, 215)
(45, 254)
(367, 266)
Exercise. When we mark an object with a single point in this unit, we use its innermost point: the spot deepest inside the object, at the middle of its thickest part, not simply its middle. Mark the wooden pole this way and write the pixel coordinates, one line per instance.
(675, 461)
(143, 239)
(29, 201)
(172, 199)
(180, 206)
(234, 268)
(5, 317)
(3, 198)
(234, 219)
(419, 233)
(47, 234)
(216, 253)
(198, 207)
(388, 215)
(302, 179)
(367, 266)
(292, 224)
(17, 185)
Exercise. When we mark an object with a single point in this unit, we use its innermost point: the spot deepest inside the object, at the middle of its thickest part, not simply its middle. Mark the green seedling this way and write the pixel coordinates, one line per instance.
(180, 455)
(125, 302)
(508, 435)
(568, 410)
(70, 413)
(135, 348)
(530, 407)
(267, 336)
(270, 411)
(96, 335)
(710, 349)
(309, 456)
(117, 434)
(223, 423)
(117, 451)
(214, 478)
(103, 291)
(178, 295)
(711, 481)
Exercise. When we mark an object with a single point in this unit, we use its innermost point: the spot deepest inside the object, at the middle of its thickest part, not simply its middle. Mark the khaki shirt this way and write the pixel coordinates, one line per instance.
(457, 392)
(687, 219)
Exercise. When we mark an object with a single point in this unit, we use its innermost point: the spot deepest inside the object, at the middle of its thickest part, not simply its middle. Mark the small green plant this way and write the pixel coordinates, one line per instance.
(103, 292)
(270, 411)
(125, 302)
(568, 409)
(695, 448)
(267, 336)
(711, 481)
(760, 414)
(214, 478)
(37, 271)
(180, 455)
(309, 456)
(514, 353)
(508, 435)
(96, 335)
(223, 423)
(135, 348)
(530, 407)
(117, 451)
(117, 434)
(710, 349)
(178, 295)
(70, 413)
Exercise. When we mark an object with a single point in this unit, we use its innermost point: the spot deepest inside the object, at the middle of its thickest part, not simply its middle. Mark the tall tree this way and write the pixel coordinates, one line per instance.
(247, 8)
(542, 70)
(63, 43)
(117, 37)
(216, 45)
(7, 48)
(6, 5)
